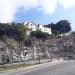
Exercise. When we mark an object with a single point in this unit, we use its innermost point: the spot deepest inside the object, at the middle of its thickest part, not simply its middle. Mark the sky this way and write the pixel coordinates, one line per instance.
(38, 11)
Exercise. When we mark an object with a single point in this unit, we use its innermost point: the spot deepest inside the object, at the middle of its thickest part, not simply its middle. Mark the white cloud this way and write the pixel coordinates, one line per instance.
(67, 3)
(48, 6)
(27, 4)
(8, 8)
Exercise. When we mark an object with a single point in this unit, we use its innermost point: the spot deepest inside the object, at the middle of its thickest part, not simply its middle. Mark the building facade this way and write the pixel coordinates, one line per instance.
(44, 29)
(33, 27)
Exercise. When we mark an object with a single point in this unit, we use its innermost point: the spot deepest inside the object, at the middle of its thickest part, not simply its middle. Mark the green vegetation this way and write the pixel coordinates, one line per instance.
(5, 68)
(14, 30)
(18, 30)
(27, 42)
(21, 31)
(39, 35)
(60, 27)
(47, 44)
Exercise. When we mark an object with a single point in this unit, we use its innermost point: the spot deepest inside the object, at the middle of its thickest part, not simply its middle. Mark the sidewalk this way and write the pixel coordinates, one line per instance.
(30, 68)
(27, 62)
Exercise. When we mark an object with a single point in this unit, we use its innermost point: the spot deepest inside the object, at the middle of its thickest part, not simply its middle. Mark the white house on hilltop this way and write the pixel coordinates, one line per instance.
(44, 29)
(33, 27)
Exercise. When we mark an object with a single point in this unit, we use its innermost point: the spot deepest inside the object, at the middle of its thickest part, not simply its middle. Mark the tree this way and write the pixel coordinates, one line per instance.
(21, 32)
(62, 26)
(50, 25)
(39, 34)
(3, 28)
(28, 42)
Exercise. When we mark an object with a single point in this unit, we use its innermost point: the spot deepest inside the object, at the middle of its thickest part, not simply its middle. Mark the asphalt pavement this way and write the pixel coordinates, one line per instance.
(63, 68)
(67, 68)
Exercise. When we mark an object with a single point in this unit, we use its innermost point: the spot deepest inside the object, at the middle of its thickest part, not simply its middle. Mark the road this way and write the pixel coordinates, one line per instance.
(66, 68)
(59, 69)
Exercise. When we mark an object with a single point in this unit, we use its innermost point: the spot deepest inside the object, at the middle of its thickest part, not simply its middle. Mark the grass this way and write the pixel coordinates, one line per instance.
(5, 68)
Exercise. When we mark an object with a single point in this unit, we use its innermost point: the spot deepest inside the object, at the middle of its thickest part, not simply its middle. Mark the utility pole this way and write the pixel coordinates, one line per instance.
(25, 52)
(35, 53)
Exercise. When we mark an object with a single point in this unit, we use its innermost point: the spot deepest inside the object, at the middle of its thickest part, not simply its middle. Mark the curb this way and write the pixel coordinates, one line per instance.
(33, 66)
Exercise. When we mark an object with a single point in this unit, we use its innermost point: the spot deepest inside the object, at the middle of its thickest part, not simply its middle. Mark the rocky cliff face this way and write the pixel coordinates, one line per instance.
(56, 47)
(53, 47)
